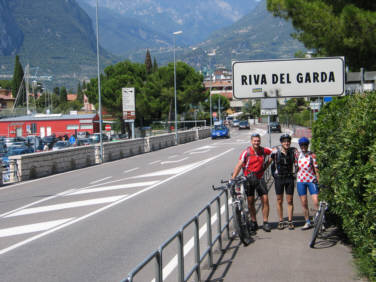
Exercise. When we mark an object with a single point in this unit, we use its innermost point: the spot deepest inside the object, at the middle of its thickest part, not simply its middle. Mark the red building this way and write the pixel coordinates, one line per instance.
(45, 125)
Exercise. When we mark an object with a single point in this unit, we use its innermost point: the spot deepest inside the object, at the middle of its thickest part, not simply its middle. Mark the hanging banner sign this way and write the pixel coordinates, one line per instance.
(289, 78)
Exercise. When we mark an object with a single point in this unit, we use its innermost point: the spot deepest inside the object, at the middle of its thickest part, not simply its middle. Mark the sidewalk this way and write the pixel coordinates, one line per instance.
(284, 255)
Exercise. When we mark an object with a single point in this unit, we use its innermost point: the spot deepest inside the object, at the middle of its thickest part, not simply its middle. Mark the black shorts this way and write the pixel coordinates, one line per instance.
(259, 185)
(284, 184)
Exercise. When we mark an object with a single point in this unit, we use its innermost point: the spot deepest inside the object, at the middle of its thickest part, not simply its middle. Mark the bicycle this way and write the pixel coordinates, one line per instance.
(318, 221)
(239, 208)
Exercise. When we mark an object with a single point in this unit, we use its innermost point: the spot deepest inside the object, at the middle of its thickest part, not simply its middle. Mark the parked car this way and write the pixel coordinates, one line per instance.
(84, 141)
(50, 141)
(275, 127)
(220, 131)
(235, 123)
(59, 145)
(9, 141)
(96, 137)
(244, 124)
(12, 151)
(35, 142)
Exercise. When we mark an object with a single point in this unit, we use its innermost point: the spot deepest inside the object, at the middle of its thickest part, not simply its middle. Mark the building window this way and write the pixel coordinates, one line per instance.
(72, 126)
(86, 126)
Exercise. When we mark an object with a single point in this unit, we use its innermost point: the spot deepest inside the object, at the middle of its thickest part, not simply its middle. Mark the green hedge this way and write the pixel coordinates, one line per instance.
(344, 138)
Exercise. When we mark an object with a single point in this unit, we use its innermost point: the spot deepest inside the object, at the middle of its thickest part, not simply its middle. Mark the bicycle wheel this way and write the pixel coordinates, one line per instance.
(241, 226)
(318, 223)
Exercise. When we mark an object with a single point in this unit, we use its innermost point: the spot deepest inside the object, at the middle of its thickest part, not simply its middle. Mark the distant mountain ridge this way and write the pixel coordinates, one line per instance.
(141, 24)
(58, 38)
(11, 37)
(258, 35)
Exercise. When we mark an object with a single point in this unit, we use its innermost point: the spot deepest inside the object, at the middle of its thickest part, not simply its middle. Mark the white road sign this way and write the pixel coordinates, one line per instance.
(315, 105)
(269, 112)
(289, 78)
(128, 99)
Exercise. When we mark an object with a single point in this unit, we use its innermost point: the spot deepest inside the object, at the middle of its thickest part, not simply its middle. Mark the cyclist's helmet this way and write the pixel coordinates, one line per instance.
(303, 140)
(285, 136)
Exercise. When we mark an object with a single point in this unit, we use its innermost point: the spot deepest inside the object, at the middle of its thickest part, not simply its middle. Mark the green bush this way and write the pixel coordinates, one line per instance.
(344, 138)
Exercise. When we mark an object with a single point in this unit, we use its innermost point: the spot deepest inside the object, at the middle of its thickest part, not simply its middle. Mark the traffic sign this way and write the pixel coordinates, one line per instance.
(72, 140)
(289, 78)
(107, 127)
(269, 112)
(315, 105)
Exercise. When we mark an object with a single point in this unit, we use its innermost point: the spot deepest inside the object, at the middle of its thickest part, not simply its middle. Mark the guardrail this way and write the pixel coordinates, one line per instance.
(157, 256)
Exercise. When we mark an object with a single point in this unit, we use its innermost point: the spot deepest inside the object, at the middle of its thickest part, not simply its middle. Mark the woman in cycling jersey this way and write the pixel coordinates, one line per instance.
(307, 178)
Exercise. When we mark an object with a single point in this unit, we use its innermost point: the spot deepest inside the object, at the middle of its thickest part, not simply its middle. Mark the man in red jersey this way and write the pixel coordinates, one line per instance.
(252, 161)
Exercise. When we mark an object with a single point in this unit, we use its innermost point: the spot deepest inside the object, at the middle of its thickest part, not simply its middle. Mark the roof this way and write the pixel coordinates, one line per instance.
(40, 117)
(71, 97)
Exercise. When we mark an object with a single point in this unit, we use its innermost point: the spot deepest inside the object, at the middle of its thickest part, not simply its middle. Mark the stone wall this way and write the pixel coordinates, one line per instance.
(41, 164)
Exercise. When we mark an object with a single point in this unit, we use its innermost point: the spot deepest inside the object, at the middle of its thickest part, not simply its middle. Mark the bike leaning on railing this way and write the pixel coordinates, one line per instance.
(318, 222)
(240, 210)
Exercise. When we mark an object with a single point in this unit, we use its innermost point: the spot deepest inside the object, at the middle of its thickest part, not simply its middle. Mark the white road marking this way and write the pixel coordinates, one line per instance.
(170, 171)
(100, 180)
(201, 148)
(31, 228)
(172, 264)
(38, 202)
(173, 156)
(199, 152)
(172, 162)
(130, 170)
(113, 187)
(66, 205)
(154, 162)
(19, 244)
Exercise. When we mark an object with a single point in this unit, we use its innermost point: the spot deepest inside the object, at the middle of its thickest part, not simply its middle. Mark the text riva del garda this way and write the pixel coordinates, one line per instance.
(287, 78)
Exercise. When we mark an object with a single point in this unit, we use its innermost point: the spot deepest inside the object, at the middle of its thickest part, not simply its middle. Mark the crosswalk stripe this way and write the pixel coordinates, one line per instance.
(66, 205)
(113, 187)
(31, 228)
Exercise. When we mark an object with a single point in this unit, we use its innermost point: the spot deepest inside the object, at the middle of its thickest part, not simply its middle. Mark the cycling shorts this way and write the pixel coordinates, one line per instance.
(284, 184)
(302, 188)
(259, 185)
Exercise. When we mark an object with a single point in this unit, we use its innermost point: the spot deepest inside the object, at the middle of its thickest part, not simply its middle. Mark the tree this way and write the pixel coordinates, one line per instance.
(148, 63)
(17, 81)
(155, 65)
(63, 95)
(154, 93)
(80, 94)
(333, 28)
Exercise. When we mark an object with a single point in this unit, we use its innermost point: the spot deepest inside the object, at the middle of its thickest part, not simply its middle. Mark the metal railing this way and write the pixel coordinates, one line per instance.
(158, 255)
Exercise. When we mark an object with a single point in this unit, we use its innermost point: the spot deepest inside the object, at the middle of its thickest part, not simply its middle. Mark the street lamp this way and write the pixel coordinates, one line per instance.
(210, 89)
(176, 110)
(99, 91)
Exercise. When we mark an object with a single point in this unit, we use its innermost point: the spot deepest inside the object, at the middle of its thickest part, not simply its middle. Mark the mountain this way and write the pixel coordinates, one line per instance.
(58, 38)
(256, 36)
(129, 25)
(11, 36)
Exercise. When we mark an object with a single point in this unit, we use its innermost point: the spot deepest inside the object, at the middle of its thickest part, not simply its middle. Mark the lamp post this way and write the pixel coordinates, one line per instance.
(210, 89)
(99, 92)
(176, 110)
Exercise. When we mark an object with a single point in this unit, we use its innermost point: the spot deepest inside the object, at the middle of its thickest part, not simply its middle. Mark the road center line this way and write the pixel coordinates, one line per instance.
(130, 170)
(100, 180)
